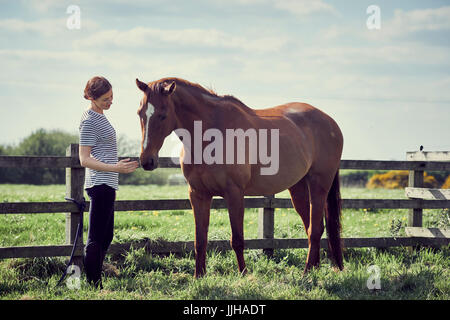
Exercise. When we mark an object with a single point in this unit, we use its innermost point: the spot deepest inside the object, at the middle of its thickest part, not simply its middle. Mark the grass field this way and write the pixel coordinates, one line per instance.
(404, 274)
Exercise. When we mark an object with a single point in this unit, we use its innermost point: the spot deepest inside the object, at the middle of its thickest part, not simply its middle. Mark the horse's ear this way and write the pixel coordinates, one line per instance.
(168, 88)
(141, 85)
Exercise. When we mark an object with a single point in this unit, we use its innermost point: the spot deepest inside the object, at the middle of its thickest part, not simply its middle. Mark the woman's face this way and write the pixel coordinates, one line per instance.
(104, 101)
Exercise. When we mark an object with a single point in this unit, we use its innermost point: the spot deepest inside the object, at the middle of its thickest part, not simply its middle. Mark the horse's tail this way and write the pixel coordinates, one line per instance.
(333, 223)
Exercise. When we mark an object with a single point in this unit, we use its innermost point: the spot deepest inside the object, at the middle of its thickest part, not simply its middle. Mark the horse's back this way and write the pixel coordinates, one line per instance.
(319, 140)
(325, 133)
(295, 150)
(306, 118)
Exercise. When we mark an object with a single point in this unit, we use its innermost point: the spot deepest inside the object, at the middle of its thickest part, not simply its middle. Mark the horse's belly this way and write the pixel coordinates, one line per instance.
(267, 187)
(293, 160)
(262, 185)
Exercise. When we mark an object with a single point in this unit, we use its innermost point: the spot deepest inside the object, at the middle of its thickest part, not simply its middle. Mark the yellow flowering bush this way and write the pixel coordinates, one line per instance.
(398, 179)
(446, 184)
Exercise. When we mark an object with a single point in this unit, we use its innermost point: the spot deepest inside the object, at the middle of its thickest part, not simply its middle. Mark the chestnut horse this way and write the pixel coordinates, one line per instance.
(308, 148)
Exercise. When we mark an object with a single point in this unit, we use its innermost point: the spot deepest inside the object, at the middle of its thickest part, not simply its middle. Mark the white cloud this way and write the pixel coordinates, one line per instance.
(405, 23)
(405, 53)
(295, 7)
(44, 27)
(304, 7)
(415, 26)
(43, 56)
(332, 32)
(122, 66)
(43, 6)
(206, 38)
(426, 19)
(240, 2)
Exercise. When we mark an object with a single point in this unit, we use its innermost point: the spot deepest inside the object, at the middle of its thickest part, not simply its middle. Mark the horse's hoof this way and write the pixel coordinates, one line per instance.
(243, 272)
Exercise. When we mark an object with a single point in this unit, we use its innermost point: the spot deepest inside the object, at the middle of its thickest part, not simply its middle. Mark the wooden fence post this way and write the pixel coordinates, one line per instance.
(266, 224)
(415, 215)
(74, 190)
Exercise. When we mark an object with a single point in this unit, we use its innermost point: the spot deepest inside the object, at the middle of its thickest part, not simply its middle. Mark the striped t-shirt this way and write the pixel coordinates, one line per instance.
(97, 132)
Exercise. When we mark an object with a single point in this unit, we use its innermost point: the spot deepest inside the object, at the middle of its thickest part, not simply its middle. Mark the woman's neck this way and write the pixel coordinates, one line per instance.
(94, 108)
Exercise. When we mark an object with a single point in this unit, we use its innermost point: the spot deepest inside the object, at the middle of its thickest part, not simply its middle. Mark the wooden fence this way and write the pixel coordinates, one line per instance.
(266, 205)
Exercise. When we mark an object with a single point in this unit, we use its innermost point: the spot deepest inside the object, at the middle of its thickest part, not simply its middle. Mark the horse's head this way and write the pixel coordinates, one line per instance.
(157, 116)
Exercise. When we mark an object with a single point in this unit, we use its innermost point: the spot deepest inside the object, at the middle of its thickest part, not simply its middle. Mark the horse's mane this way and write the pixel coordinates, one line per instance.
(202, 90)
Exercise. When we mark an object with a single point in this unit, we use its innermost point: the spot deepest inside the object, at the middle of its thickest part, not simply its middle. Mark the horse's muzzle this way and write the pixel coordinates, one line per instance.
(149, 164)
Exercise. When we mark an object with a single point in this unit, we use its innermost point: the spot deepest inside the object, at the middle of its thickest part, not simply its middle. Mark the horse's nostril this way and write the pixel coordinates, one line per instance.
(150, 164)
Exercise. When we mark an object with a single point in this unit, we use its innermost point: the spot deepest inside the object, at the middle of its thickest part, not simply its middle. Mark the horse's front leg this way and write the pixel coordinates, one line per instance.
(201, 205)
(235, 202)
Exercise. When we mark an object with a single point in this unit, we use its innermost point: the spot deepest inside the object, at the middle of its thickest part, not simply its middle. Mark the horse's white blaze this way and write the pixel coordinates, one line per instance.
(148, 114)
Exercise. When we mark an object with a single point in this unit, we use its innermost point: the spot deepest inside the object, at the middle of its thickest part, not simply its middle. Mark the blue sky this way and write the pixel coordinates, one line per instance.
(388, 89)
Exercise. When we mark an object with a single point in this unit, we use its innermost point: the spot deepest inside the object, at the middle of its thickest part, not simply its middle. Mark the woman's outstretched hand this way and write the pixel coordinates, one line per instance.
(126, 166)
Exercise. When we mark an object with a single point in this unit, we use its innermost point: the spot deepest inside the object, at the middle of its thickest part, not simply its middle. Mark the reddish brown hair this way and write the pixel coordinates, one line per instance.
(96, 87)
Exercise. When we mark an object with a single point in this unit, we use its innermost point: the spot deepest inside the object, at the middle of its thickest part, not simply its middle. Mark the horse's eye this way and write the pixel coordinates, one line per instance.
(162, 117)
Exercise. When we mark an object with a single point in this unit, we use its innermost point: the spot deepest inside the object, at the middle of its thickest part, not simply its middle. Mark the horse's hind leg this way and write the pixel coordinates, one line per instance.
(235, 202)
(300, 200)
(318, 195)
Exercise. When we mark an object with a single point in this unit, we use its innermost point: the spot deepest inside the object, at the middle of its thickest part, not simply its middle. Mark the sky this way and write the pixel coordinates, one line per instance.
(383, 74)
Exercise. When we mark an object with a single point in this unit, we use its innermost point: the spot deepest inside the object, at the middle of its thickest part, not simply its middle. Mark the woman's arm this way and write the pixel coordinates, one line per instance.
(123, 166)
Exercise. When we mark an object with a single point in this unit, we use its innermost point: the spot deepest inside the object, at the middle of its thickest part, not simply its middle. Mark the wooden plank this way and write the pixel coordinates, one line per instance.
(36, 207)
(395, 165)
(376, 203)
(266, 224)
(38, 162)
(121, 205)
(393, 204)
(184, 204)
(428, 156)
(159, 246)
(143, 205)
(187, 246)
(168, 162)
(427, 193)
(419, 232)
(39, 251)
(74, 190)
(415, 180)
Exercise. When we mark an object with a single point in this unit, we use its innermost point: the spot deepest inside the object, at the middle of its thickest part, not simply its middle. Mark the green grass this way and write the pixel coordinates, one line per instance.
(404, 274)
(418, 275)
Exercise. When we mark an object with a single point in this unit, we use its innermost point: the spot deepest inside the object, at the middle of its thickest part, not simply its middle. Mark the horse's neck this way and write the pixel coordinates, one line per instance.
(195, 106)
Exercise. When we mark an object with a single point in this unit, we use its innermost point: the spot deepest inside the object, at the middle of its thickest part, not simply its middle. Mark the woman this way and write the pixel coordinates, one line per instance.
(98, 153)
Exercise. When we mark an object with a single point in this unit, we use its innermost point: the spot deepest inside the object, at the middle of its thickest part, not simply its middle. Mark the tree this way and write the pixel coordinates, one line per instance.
(39, 143)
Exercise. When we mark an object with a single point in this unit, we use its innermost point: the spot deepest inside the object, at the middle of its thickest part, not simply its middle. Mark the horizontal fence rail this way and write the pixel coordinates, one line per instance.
(159, 246)
(267, 206)
(184, 204)
(167, 162)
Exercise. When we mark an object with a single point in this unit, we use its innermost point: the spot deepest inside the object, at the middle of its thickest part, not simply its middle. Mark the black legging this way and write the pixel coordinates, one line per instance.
(101, 230)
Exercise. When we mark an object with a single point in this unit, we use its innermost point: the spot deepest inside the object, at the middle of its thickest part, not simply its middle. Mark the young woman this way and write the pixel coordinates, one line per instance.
(98, 154)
